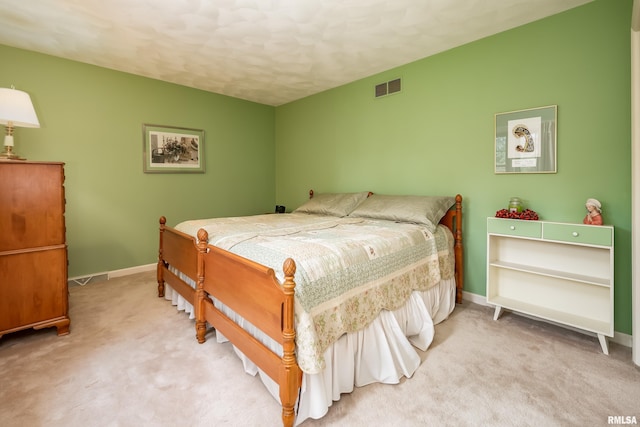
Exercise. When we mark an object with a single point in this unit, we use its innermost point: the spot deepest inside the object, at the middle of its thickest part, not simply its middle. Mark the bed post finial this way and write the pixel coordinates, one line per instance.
(203, 236)
(290, 373)
(311, 194)
(289, 269)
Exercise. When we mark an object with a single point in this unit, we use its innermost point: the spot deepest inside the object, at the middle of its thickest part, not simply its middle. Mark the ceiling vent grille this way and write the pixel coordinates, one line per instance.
(387, 88)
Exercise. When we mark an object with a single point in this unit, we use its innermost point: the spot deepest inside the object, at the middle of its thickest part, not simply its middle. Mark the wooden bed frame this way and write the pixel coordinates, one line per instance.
(253, 292)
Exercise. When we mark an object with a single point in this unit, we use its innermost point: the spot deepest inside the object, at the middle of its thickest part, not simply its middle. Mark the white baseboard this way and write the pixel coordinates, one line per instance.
(132, 270)
(618, 337)
(106, 275)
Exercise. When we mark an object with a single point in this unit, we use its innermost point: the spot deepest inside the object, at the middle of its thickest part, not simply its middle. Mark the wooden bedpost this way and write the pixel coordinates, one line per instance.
(160, 277)
(459, 273)
(290, 373)
(201, 324)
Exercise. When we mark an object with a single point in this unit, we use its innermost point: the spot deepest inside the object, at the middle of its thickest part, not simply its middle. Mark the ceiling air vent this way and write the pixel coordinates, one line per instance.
(394, 86)
(387, 88)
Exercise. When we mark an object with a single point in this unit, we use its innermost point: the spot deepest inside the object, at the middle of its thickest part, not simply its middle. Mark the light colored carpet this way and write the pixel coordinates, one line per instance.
(132, 360)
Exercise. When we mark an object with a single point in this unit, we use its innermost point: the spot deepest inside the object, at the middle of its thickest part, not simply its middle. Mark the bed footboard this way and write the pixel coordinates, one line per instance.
(253, 292)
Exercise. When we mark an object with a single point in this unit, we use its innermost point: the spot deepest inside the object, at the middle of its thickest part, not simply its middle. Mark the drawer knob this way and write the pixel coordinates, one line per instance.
(575, 234)
(513, 227)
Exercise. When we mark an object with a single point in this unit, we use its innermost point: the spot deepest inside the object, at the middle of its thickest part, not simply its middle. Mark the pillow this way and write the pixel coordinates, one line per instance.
(426, 210)
(335, 204)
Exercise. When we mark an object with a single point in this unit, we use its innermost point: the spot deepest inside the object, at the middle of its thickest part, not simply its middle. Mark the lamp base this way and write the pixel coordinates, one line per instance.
(8, 154)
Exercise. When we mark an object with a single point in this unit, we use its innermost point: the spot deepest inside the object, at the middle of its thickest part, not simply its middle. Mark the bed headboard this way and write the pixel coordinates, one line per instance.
(453, 221)
(453, 216)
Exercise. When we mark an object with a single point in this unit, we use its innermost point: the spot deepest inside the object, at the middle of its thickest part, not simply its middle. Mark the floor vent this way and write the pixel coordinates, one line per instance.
(81, 281)
(387, 88)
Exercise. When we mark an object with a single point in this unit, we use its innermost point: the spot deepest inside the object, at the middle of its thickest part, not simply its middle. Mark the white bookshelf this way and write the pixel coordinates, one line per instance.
(558, 272)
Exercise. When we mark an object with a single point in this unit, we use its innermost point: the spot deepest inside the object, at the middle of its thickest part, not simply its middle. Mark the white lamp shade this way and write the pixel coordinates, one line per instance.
(16, 108)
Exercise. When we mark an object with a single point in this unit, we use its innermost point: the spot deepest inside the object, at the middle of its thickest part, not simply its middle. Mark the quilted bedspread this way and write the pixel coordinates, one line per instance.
(348, 269)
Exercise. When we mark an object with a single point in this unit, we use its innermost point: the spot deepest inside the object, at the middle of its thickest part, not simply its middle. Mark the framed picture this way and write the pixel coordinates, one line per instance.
(169, 149)
(525, 141)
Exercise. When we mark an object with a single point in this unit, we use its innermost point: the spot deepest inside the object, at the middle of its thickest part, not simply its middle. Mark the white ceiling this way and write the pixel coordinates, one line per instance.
(267, 51)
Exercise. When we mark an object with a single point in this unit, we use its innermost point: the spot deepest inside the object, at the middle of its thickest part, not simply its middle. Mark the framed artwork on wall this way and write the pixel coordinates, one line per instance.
(525, 141)
(168, 149)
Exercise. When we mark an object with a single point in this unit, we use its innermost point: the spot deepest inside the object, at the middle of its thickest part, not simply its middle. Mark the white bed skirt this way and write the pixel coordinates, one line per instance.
(383, 352)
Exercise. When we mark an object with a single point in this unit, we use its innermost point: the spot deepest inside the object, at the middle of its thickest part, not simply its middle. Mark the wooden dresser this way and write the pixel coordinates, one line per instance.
(33, 248)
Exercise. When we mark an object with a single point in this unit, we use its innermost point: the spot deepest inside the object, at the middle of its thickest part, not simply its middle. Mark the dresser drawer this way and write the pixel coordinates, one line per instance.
(514, 227)
(576, 233)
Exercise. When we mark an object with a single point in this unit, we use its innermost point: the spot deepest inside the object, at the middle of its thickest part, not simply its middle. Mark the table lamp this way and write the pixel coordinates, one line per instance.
(16, 110)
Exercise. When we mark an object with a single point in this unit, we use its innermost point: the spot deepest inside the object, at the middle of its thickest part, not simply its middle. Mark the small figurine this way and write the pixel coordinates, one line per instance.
(594, 212)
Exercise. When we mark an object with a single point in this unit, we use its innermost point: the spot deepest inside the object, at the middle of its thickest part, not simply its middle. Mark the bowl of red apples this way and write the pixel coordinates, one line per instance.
(525, 214)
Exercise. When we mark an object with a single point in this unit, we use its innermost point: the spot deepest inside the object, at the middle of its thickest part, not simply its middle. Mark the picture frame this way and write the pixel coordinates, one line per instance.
(170, 149)
(526, 141)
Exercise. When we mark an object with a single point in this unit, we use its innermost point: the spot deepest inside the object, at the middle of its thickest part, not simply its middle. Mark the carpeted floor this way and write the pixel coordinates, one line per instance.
(132, 360)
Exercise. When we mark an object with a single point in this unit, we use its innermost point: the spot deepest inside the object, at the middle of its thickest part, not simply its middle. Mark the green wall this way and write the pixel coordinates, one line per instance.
(443, 121)
(346, 140)
(91, 118)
